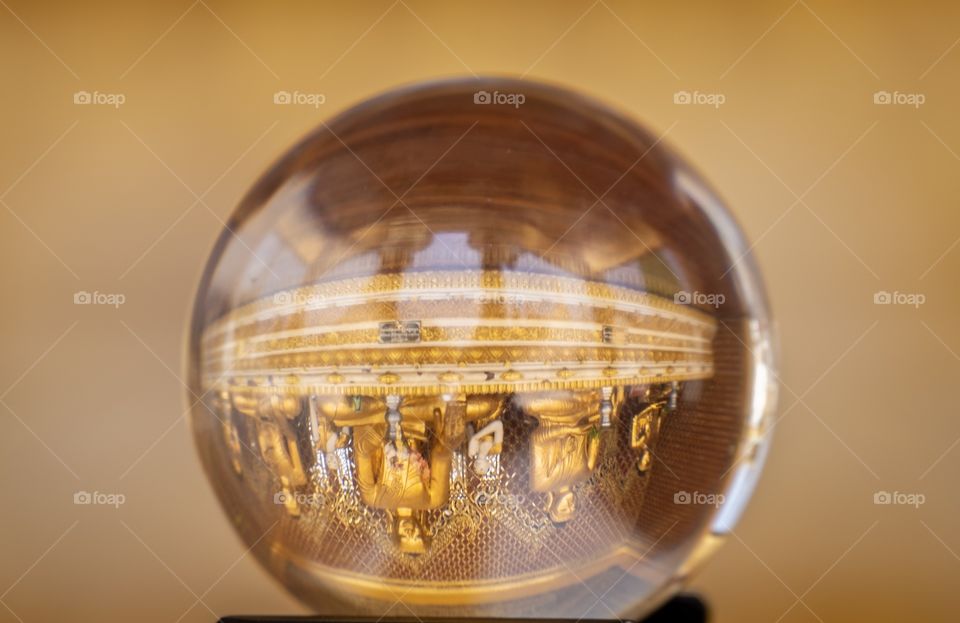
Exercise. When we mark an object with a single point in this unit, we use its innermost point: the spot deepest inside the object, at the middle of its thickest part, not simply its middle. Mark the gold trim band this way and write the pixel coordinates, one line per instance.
(457, 331)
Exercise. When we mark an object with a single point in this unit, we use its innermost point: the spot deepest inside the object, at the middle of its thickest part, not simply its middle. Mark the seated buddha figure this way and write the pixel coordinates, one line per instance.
(223, 410)
(643, 433)
(658, 400)
(417, 411)
(273, 417)
(406, 475)
(564, 447)
(405, 469)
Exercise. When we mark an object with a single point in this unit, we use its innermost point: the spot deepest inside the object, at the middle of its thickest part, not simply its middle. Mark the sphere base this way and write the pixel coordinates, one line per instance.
(680, 609)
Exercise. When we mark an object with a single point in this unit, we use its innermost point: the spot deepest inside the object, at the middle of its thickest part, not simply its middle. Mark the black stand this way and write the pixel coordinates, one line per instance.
(680, 609)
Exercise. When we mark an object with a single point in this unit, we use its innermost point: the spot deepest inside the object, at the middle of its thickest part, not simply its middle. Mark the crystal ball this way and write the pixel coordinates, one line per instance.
(481, 348)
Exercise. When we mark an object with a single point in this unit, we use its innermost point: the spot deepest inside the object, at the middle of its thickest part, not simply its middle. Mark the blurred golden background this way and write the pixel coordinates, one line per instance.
(129, 133)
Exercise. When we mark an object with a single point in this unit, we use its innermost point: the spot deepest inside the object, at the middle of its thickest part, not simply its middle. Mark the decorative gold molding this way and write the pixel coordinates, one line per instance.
(465, 331)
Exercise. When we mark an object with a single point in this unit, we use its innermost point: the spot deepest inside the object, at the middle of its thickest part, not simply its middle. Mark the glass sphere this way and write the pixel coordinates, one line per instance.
(481, 348)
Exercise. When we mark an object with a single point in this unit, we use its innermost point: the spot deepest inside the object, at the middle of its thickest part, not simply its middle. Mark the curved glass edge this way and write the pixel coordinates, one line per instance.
(762, 346)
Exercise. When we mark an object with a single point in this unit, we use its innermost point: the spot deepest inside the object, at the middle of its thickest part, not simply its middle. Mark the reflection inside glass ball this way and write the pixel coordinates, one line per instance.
(407, 416)
(480, 359)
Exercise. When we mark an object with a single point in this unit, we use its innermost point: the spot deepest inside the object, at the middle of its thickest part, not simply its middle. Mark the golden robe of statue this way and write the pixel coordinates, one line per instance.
(411, 473)
(276, 437)
(393, 476)
(564, 447)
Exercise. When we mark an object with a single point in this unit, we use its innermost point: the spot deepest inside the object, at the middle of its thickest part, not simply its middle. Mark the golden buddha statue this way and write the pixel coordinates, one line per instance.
(643, 433)
(223, 411)
(403, 451)
(645, 425)
(566, 444)
(276, 438)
